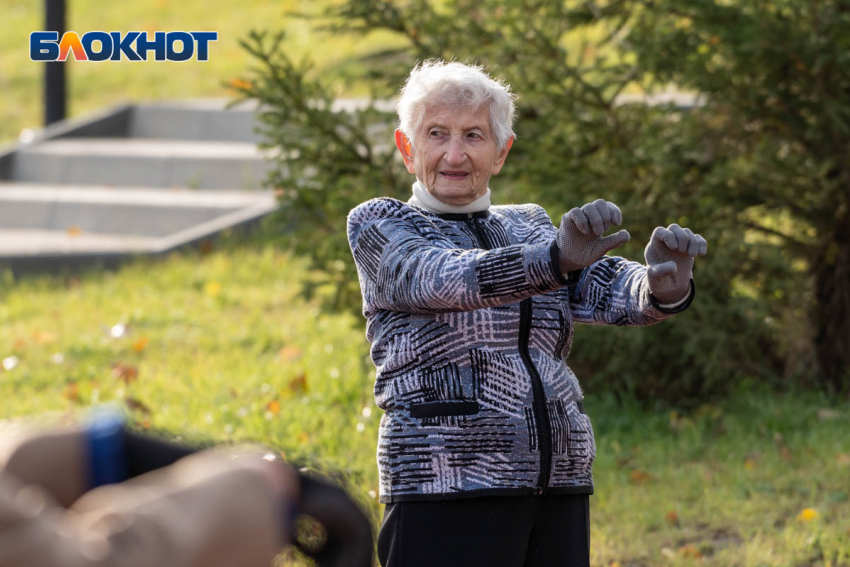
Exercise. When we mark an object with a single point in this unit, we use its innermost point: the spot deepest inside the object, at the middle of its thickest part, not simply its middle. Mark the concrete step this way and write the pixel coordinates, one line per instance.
(26, 242)
(52, 221)
(128, 162)
(193, 120)
(130, 180)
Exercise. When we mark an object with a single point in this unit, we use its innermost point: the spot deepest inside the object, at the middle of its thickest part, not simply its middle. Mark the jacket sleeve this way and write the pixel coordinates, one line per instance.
(615, 291)
(405, 265)
(205, 511)
(612, 290)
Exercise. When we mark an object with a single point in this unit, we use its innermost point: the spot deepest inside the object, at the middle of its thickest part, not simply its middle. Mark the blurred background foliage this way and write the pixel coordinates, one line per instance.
(760, 164)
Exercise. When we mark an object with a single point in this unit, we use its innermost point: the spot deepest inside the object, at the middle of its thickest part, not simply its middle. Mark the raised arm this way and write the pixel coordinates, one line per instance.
(614, 291)
(405, 265)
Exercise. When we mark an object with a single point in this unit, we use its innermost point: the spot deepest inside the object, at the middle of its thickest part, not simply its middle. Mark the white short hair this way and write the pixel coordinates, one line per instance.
(455, 84)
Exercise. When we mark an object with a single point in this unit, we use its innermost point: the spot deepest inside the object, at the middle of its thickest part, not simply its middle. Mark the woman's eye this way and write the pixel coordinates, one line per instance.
(474, 135)
(435, 133)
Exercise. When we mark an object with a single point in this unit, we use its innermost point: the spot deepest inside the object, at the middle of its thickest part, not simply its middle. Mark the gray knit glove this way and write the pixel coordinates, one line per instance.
(670, 260)
(580, 239)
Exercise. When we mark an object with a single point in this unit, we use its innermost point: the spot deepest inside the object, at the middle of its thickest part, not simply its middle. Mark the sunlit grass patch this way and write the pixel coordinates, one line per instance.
(207, 346)
(760, 480)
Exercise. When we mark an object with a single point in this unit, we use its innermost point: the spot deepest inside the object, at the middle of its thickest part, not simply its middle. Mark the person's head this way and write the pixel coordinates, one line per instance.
(455, 128)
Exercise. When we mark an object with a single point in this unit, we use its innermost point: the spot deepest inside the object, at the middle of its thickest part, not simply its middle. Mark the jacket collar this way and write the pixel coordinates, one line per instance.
(423, 199)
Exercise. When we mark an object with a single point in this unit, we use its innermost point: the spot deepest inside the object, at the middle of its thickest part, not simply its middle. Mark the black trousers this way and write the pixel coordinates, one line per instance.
(501, 531)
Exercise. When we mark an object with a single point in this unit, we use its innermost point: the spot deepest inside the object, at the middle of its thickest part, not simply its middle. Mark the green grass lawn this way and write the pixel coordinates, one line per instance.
(220, 346)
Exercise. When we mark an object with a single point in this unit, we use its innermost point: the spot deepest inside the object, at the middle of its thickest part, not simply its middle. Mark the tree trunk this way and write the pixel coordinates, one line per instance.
(832, 307)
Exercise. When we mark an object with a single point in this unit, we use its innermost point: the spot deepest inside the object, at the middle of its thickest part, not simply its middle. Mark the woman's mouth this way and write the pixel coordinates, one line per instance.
(454, 174)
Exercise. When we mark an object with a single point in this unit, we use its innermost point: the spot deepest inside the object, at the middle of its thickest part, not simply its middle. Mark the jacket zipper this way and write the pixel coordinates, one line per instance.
(541, 418)
(541, 415)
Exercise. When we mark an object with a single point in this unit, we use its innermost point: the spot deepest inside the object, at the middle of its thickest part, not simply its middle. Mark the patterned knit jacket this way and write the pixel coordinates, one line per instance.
(470, 321)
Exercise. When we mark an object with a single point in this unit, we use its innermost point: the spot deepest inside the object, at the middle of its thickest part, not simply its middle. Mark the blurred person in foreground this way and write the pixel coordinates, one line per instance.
(102, 495)
(485, 451)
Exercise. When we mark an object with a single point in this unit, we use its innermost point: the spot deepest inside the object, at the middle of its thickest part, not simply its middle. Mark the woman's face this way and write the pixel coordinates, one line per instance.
(453, 153)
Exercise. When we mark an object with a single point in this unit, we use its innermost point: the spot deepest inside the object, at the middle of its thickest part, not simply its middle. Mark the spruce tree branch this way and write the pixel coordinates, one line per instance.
(793, 242)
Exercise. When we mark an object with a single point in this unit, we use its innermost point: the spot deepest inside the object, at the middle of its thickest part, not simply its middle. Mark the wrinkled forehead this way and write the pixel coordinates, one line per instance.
(455, 117)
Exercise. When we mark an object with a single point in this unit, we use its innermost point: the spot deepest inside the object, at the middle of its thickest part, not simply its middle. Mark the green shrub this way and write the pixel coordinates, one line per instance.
(761, 169)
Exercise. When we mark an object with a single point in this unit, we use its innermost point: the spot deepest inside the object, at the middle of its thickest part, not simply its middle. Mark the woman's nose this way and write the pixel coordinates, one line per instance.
(455, 153)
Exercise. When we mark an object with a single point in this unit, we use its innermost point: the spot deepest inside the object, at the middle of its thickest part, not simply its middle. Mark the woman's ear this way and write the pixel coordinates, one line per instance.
(502, 156)
(406, 149)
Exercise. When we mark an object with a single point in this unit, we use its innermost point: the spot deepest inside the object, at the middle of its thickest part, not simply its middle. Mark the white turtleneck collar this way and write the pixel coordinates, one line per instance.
(423, 199)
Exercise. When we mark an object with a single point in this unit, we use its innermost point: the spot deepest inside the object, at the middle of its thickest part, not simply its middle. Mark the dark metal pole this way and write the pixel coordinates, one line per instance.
(54, 74)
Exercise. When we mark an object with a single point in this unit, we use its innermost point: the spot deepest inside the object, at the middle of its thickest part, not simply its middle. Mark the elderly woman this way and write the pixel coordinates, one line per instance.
(485, 451)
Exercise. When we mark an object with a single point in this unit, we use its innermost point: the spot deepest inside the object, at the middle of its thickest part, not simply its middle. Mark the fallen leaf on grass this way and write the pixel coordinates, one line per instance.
(668, 553)
(690, 550)
(140, 345)
(44, 337)
(137, 405)
(807, 515)
(303, 437)
(672, 518)
(843, 459)
(786, 454)
(273, 407)
(749, 463)
(125, 372)
(289, 353)
(71, 392)
(638, 476)
(298, 384)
